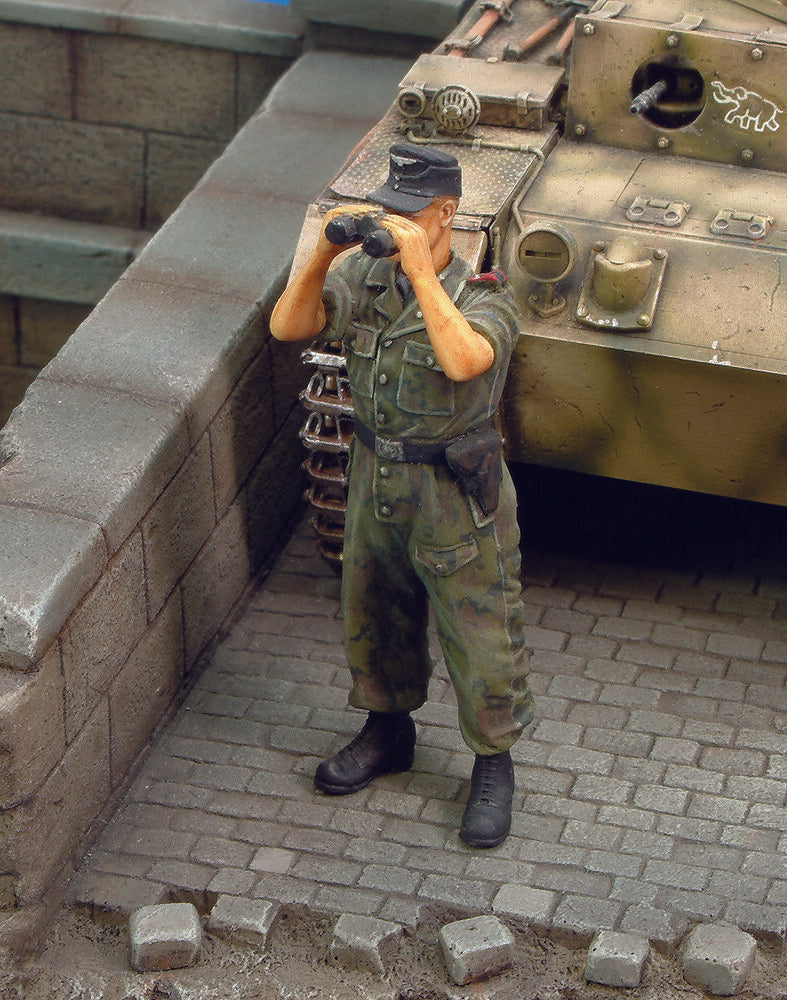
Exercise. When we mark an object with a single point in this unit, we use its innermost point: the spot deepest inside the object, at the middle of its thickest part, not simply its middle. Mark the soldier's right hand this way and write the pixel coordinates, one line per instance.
(326, 246)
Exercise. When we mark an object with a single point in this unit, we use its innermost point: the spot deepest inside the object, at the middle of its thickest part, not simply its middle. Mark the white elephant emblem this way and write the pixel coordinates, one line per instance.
(749, 110)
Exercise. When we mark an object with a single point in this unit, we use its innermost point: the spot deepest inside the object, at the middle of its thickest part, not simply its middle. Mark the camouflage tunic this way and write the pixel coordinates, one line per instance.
(412, 536)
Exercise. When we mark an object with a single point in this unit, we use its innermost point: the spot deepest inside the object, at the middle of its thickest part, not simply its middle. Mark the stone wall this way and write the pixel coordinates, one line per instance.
(148, 473)
(32, 331)
(109, 115)
(113, 119)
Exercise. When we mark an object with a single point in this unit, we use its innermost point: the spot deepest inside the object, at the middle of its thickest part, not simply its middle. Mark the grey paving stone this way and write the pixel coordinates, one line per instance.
(115, 897)
(697, 907)
(525, 905)
(233, 882)
(578, 918)
(364, 942)
(476, 948)
(353, 900)
(167, 936)
(559, 872)
(243, 919)
(718, 958)
(616, 959)
(663, 929)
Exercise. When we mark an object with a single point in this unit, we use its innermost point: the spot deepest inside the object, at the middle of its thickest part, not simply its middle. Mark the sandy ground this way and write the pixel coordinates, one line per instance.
(83, 960)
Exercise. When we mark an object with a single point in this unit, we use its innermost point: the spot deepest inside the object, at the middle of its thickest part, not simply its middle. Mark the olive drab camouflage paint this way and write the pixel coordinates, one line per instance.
(413, 533)
(626, 165)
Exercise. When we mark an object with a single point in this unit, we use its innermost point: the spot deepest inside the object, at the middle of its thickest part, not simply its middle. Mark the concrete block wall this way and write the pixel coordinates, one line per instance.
(421, 18)
(112, 114)
(147, 474)
(52, 272)
(109, 114)
(32, 331)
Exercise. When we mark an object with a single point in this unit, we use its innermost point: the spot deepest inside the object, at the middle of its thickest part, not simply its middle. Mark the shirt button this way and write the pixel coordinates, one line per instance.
(385, 472)
(419, 314)
(383, 379)
(385, 510)
(387, 343)
(430, 362)
(380, 417)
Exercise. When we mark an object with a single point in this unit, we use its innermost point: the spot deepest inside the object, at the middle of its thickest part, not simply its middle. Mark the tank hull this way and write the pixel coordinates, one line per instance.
(627, 169)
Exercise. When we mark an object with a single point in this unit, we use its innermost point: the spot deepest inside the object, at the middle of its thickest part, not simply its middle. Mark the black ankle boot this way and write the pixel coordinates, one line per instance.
(385, 745)
(487, 817)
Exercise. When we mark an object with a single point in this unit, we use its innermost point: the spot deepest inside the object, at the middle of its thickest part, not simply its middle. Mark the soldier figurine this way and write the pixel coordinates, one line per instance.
(431, 511)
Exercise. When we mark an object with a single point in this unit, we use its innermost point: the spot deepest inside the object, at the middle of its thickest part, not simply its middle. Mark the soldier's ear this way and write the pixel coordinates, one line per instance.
(448, 209)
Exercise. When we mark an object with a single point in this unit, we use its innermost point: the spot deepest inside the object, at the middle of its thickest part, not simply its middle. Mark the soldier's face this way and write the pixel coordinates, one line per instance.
(435, 219)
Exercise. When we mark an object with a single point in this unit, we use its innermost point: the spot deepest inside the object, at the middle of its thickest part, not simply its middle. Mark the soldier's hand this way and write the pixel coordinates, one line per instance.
(411, 238)
(326, 246)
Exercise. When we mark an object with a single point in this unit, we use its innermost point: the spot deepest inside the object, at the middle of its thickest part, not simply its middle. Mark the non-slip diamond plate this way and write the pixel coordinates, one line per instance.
(489, 175)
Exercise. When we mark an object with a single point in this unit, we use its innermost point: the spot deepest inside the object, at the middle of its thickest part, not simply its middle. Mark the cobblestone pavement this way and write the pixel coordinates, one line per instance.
(651, 790)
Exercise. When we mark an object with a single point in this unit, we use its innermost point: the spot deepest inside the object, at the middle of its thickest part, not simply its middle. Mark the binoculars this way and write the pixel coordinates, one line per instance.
(364, 229)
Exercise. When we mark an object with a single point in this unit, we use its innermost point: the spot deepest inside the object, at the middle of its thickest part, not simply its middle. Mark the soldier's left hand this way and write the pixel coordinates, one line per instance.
(415, 253)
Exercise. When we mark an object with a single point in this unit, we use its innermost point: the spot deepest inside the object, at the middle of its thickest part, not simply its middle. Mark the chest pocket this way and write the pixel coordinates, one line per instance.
(361, 343)
(423, 385)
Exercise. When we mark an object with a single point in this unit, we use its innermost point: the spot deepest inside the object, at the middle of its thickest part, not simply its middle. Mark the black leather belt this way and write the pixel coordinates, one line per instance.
(402, 450)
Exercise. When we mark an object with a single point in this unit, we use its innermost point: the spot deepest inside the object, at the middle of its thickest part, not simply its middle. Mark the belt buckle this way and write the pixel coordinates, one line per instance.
(389, 448)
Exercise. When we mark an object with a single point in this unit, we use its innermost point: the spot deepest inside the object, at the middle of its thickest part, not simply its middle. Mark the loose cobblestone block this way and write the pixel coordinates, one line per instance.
(244, 919)
(167, 936)
(718, 958)
(616, 959)
(362, 942)
(476, 948)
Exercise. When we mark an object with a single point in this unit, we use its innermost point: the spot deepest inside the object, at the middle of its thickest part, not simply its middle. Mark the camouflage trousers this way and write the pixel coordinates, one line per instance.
(430, 545)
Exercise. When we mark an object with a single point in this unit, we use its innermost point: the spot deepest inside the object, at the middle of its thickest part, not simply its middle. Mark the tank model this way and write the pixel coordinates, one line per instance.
(625, 164)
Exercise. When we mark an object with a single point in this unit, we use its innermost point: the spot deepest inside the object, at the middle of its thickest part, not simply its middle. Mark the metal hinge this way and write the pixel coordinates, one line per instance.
(657, 211)
(464, 44)
(689, 22)
(608, 8)
(746, 224)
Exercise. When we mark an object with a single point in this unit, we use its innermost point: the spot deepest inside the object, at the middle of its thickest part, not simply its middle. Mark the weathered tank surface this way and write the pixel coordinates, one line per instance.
(626, 165)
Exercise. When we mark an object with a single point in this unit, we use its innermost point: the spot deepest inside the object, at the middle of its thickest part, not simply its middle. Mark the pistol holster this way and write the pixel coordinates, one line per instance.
(477, 462)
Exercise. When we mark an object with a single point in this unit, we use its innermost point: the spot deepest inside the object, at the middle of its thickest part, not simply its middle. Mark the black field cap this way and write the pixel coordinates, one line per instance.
(417, 175)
